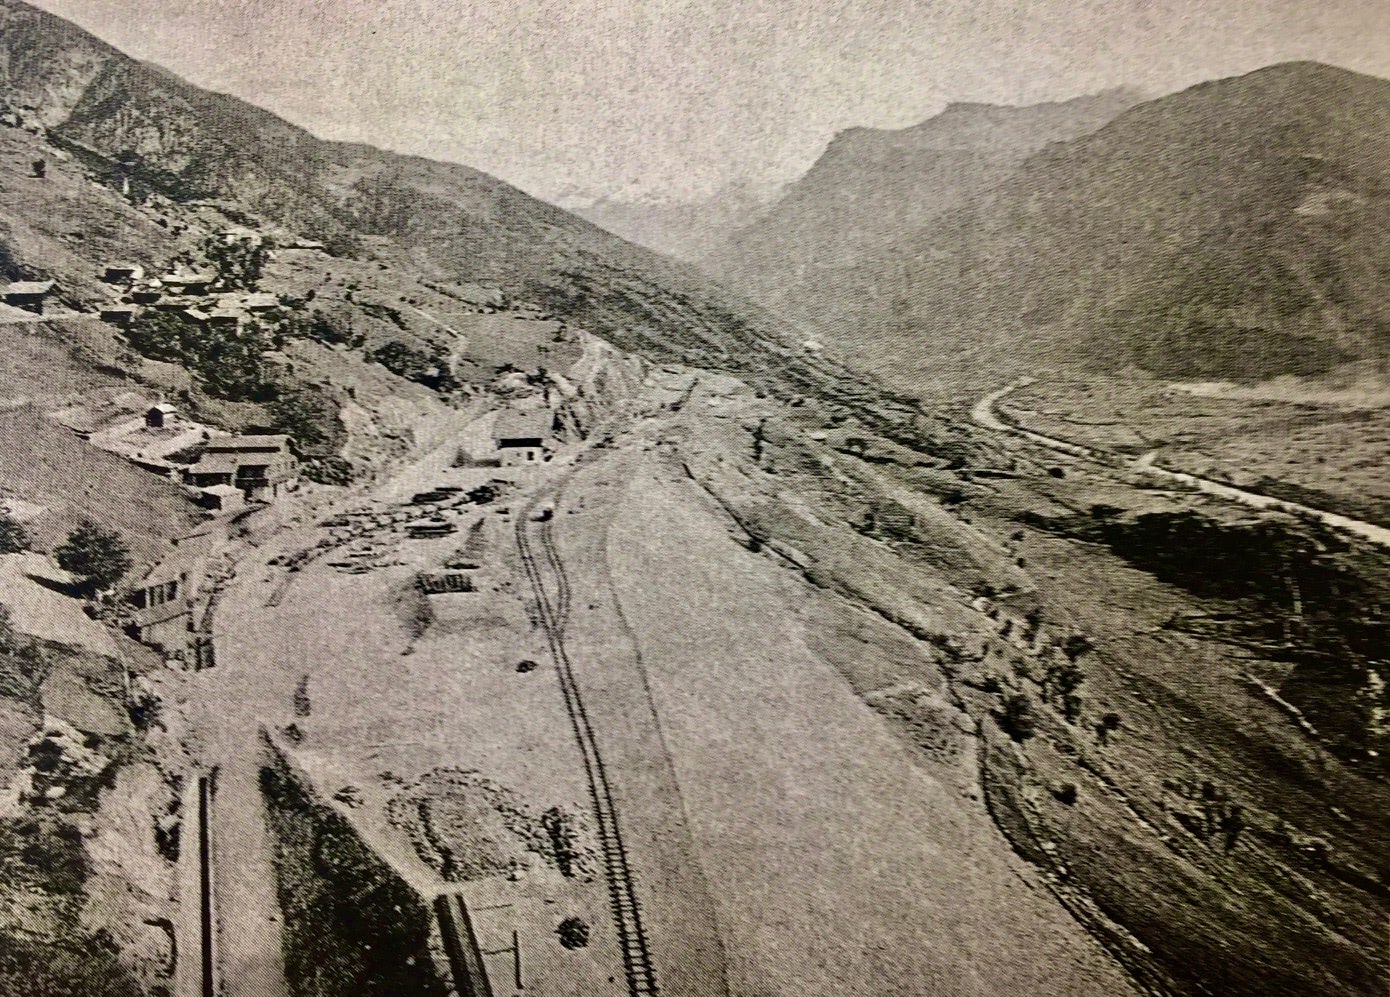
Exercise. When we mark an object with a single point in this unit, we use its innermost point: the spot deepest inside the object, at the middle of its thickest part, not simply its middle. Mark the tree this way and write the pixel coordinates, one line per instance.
(13, 537)
(239, 262)
(96, 555)
(40, 168)
(1015, 716)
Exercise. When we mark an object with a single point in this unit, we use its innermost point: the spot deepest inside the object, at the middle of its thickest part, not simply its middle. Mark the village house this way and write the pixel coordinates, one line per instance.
(196, 284)
(31, 295)
(240, 233)
(164, 600)
(217, 318)
(523, 438)
(118, 314)
(260, 302)
(159, 416)
(260, 466)
(123, 274)
(146, 294)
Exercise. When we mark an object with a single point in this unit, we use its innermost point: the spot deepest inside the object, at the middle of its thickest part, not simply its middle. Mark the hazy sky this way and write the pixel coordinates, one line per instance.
(678, 97)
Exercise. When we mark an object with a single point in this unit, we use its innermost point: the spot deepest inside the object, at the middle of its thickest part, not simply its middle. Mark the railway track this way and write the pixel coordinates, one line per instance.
(198, 938)
(622, 894)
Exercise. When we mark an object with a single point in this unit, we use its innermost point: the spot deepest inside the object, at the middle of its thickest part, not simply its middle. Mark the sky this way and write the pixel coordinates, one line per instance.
(680, 99)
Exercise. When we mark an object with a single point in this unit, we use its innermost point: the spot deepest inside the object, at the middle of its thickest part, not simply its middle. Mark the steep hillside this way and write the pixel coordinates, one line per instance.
(162, 142)
(1235, 229)
(872, 189)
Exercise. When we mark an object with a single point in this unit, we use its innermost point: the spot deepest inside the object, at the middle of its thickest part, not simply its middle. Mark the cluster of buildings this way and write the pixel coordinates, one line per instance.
(191, 294)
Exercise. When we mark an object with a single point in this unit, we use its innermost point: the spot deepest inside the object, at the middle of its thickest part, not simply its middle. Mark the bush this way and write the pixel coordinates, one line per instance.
(574, 933)
(1015, 717)
(430, 369)
(239, 262)
(13, 537)
(98, 556)
(331, 470)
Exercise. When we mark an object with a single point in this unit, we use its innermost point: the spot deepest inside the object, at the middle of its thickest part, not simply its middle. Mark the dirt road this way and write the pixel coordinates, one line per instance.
(837, 864)
(985, 415)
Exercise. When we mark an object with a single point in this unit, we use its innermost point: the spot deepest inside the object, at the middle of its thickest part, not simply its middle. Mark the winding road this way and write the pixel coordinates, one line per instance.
(984, 414)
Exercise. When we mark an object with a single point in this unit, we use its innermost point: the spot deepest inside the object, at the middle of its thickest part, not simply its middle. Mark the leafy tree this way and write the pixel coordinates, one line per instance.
(96, 555)
(228, 362)
(13, 537)
(160, 335)
(239, 262)
(335, 328)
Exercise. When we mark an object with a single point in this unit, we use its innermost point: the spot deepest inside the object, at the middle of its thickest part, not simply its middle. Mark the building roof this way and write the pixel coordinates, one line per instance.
(220, 315)
(522, 426)
(236, 444)
(220, 463)
(123, 268)
(164, 407)
(172, 568)
(184, 279)
(261, 300)
(31, 287)
(223, 491)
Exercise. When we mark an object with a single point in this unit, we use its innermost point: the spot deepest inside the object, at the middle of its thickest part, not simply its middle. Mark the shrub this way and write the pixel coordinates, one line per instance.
(1015, 717)
(1107, 725)
(574, 933)
(96, 555)
(430, 369)
(1065, 793)
(13, 537)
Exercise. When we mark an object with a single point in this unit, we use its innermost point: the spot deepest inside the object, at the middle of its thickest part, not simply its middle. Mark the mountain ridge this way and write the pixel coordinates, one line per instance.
(1187, 234)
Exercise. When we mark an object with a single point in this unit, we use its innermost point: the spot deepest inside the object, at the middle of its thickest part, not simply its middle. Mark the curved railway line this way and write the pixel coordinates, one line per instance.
(622, 894)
